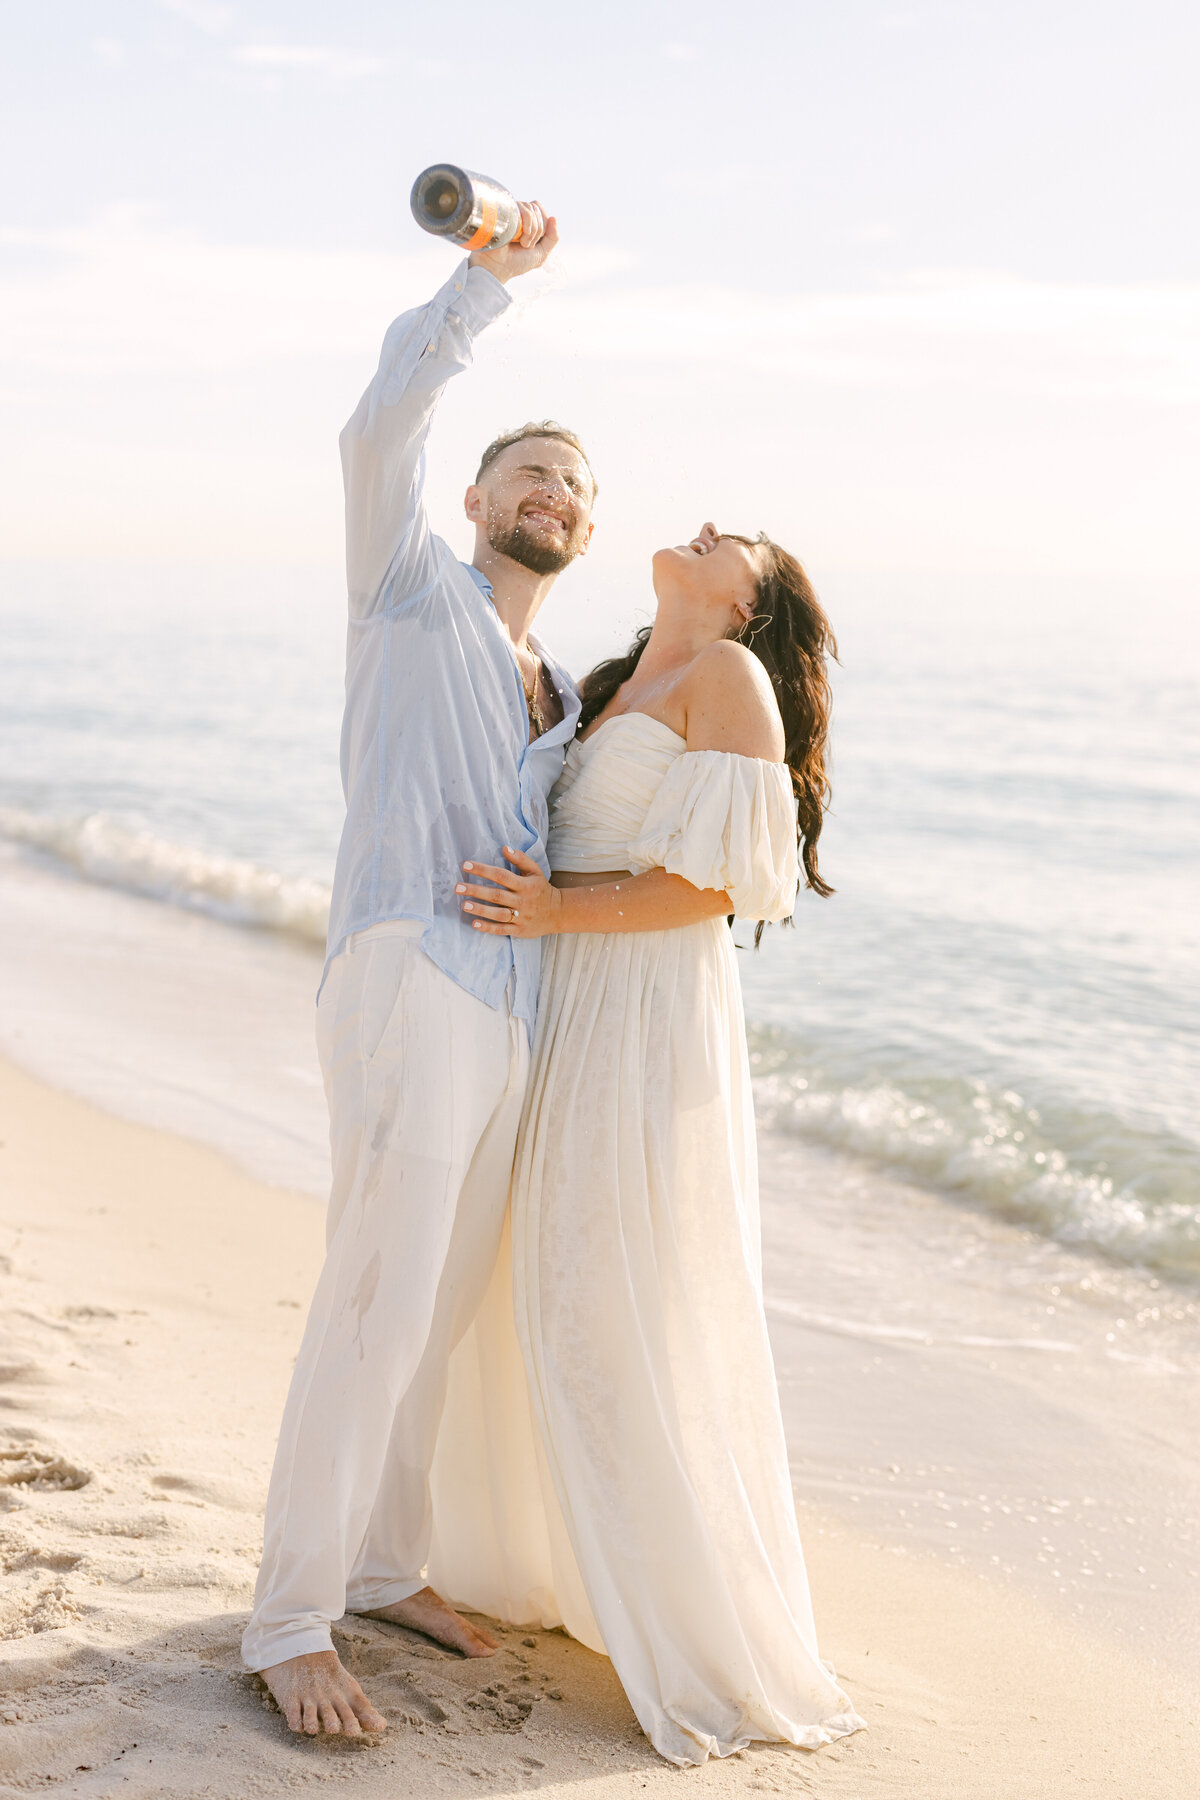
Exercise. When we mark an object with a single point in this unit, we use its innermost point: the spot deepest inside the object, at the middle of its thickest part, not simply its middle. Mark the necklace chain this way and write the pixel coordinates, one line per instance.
(533, 704)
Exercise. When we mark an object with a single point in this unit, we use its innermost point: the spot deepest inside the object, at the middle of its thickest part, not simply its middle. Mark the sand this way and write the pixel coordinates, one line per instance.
(152, 1300)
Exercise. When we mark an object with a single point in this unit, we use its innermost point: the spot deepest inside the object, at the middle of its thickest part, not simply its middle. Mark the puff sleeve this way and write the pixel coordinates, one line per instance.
(726, 822)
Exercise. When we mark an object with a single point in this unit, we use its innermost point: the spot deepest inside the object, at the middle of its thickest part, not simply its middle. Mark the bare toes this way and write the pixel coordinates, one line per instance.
(330, 1720)
(347, 1719)
(311, 1723)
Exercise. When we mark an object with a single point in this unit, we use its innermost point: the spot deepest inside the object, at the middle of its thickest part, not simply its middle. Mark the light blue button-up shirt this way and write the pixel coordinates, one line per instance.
(437, 765)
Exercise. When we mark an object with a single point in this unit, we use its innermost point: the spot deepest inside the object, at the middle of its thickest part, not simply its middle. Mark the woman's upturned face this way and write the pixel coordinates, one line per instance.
(715, 575)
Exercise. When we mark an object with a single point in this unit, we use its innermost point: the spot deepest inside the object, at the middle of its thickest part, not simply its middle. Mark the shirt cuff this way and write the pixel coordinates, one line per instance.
(478, 297)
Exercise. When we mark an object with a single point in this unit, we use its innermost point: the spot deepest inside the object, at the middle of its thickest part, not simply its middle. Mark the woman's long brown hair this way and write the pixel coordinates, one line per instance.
(792, 638)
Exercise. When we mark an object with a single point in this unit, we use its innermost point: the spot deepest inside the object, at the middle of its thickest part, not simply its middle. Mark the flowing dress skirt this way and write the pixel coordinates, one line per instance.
(638, 1301)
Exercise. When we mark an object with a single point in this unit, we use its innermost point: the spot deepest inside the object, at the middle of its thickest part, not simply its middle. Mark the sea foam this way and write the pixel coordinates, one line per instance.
(1082, 1175)
(227, 887)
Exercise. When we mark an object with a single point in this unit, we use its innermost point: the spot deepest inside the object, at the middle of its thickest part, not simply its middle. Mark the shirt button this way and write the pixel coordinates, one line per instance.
(431, 348)
(458, 287)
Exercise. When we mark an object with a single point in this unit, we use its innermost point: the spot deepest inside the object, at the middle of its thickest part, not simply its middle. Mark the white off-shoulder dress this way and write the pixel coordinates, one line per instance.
(635, 1480)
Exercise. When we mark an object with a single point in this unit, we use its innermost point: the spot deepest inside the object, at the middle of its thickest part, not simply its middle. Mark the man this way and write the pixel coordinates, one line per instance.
(455, 729)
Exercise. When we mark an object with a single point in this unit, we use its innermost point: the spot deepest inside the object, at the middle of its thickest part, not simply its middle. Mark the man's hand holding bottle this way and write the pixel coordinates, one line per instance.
(527, 251)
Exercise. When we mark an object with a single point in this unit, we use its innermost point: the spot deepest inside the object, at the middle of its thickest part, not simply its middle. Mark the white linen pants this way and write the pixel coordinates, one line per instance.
(425, 1085)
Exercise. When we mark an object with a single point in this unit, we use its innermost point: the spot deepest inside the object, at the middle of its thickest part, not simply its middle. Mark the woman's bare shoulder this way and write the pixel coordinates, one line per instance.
(730, 703)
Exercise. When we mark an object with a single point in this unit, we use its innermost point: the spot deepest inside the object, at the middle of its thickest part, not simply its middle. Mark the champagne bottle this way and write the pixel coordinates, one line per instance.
(468, 209)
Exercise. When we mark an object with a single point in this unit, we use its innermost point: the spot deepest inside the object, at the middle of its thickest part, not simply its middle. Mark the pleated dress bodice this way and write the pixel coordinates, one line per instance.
(633, 796)
(599, 803)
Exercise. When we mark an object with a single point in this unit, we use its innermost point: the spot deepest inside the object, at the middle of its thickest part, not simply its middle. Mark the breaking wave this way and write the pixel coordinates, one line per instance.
(227, 887)
(1083, 1176)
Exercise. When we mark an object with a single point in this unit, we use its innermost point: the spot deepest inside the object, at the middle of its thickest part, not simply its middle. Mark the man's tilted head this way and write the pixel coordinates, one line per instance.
(533, 496)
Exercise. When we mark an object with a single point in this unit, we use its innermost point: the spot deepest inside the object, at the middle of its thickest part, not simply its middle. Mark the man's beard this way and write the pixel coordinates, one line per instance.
(539, 556)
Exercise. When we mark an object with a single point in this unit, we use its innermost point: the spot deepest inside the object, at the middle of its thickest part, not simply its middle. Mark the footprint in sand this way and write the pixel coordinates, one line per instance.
(134, 1525)
(22, 1466)
(507, 1710)
(43, 1609)
(20, 1371)
(395, 1689)
(400, 1698)
(32, 1556)
(189, 1488)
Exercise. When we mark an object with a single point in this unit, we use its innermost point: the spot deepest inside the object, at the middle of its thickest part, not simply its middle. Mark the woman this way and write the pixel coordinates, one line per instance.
(671, 1528)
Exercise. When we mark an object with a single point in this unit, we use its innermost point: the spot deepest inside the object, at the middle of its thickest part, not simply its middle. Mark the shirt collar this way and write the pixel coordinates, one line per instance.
(479, 578)
(561, 679)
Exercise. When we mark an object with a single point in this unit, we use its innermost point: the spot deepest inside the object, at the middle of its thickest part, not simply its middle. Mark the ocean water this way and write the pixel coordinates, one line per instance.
(1002, 1001)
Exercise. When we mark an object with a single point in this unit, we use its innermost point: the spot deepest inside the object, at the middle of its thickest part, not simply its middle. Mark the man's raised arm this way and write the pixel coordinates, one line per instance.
(388, 551)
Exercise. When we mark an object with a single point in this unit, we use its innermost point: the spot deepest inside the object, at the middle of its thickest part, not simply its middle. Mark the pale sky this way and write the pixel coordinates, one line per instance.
(914, 287)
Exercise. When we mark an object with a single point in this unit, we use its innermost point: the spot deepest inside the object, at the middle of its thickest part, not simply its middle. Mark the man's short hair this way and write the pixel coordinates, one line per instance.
(536, 428)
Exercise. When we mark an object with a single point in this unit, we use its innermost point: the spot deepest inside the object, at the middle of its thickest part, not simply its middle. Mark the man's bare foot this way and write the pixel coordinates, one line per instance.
(314, 1693)
(428, 1612)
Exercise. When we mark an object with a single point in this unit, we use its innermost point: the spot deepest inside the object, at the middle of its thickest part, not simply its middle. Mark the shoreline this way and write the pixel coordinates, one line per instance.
(179, 1016)
(153, 1301)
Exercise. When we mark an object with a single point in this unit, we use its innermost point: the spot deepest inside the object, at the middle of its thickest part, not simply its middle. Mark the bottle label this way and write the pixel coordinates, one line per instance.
(487, 226)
